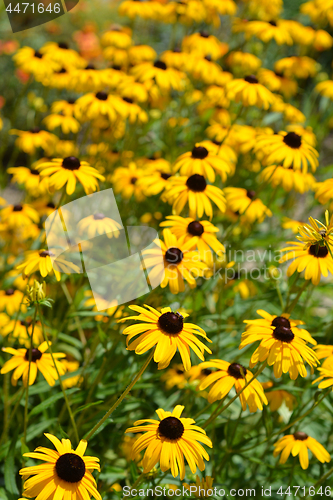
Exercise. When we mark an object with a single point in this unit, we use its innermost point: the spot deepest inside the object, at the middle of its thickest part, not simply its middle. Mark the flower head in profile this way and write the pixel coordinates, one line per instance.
(201, 161)
(169, 440)
(65, 473)
(40, 360)
(298, 444)
(68, 171)
(202, 487)
(246, 201)
(19, 215)
(250, 92)
(229, 375)
(282, 343)
(167, 331)
(40, 260)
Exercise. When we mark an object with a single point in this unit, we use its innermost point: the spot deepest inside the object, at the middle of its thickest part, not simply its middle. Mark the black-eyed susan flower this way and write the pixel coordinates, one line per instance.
(298, 444)
(277, 397)
(71, 366)
(40, 360)
(287, 149)
(62, 54)
(156, 176)
(324, 352)
(203, 162)
(66, 123)
(317, 233)
(98, 224)
(297, 67)
(324, 191)
(203, 44)
(31, 140)
(100, 105)
(229, 375)
(34, 62)
(40, 260)
(125, 180)
(127, 108)
(169, 440)
(30, 179)
(245, 201)
(180, 262)
(288, 178)
(167, 331)
(166, 78)
(117, 36)
(203, 487)
(11, 301)
(134, 8)
(243, 62)
(19, 215)
(65, 473)
(272, 30)
(249, 92)
(68, 171)
(195, 191)
(282, 343)
(315, 260)
(202, 233)
(21, 330)
(174, 377)
(88, 79)
(141, 53)
(277, 82)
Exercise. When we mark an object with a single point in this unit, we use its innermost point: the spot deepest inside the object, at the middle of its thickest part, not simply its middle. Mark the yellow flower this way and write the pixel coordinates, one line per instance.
(195, 191)
(249, 92)
(244, 62)
(128, 181)
(201, 161)
(40, 260)
(168, 332)
(180, 262)
(169, 440)
(174, 377)
(166, 78)
(40, 360)
(282, 343)
(296, 67)
(11, 301)
(67, 124)
(276, 82)
(202, 44)
(202, 488)
(30, 141)
(245, 202)
(31, 179)
(65, 473)
(69, 170)
(288, 178)
(19, 215)
(34, 62)
(277, 397)
(272, 30)
(63, 55)
(229, 375)
(298, 444)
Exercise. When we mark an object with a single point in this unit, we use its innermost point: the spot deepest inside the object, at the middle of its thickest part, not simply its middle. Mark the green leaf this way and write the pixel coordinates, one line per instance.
(10, 469)
(84, 407)
(50, 401)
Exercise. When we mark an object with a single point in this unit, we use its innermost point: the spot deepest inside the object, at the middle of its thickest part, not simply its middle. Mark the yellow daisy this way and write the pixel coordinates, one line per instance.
(65, 473)
(203, 162)
(298, 444)
(282, 343)
(249, 92)
(244, 201)
(168, 332)
(40, 260)
(40, 360)
(169, 440)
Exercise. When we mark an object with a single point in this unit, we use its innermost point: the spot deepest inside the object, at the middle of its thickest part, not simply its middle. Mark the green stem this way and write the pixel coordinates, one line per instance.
(27, 388)
(71, 416)
(219, 410)
(121, 398)
(291, 307)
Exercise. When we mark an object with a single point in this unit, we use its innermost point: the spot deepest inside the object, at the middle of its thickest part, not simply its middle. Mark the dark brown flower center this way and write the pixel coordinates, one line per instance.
(195, 228)
(70, 467)
(128, 99)
(171, 323)
(179, 371)
(199, 152)
(160, 65)
(251, 79)
(61, 71)
(90, 66)
(174, 255)
(250, 194)
(71, 101)
(272, 23)
(33, 171)
(281, 321)
(283, 334)
(99, 216)
(46, 253)
(35, 130)
(133, 180)
(63, 45)
(101, 96)
(38, 54)
(235, 370)
(196, 183)
(35, 354)
(293, 140)
(10, 291)
(26, 322)
(204, 34)
(206, 372)
(50, 205)
(71, 163)
(165, 176)
(17, 208)
(171, 428)
(300, 436)
(318, 251)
